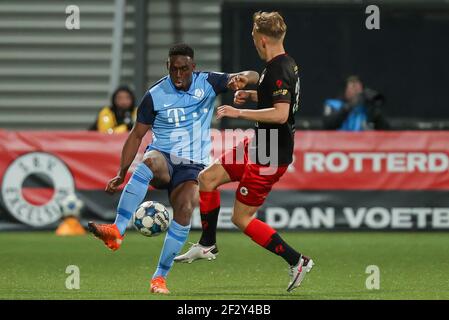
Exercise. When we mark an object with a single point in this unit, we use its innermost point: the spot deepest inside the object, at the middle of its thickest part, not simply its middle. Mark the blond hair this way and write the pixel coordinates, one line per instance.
(270, 24)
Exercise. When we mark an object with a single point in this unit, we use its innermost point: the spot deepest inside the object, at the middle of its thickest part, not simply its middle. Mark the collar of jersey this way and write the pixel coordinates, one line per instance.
(276, 57)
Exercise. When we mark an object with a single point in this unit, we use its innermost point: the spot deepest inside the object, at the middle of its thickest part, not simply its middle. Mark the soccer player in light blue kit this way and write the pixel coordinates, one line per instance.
(179, 109)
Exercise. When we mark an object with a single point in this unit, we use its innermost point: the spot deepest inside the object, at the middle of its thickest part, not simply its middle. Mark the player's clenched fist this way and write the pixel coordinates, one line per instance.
(241, 96)
(114, 183)
(237, 82)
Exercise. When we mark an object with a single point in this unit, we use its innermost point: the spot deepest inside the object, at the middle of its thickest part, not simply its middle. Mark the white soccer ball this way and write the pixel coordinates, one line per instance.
(71, 205)
(151, 218)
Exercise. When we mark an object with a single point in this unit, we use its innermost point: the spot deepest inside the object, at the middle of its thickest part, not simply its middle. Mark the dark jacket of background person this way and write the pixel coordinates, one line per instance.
(359, 112)
(116, 119)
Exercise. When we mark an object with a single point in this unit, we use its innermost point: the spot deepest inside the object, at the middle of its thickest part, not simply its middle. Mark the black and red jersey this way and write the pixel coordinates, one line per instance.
(279, 82)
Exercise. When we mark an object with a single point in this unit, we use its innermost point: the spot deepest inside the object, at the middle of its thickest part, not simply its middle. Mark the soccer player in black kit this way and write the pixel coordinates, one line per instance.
(277, 98)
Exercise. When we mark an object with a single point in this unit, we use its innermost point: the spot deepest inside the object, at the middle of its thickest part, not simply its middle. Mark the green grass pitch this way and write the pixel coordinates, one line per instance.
(412, 266)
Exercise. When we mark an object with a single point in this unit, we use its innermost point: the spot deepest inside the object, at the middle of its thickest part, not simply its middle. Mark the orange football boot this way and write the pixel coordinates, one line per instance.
(158, 285)
(108, 233)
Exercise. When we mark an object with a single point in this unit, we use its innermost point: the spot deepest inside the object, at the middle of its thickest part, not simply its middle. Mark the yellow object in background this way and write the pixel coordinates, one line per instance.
(107, 122)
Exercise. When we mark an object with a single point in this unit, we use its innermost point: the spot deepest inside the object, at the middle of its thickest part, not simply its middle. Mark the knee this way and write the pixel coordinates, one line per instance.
(206, 180)
(150, 163)
(183, 213)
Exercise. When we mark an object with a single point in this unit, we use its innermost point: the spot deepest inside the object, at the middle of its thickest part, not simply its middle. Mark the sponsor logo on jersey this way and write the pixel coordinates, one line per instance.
(280, 92)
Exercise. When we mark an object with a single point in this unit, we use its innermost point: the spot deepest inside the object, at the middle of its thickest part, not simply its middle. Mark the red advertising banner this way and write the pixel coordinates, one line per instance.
(92, 158)
(323, 160)
(338, 180)
(406, 160)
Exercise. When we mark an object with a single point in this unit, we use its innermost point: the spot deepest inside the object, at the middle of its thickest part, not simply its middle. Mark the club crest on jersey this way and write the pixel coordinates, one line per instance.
(278, 83)
(243, 191)
(199, 94)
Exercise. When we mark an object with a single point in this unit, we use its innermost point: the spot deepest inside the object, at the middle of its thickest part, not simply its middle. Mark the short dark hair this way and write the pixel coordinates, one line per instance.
(181, 49)
(353, 78)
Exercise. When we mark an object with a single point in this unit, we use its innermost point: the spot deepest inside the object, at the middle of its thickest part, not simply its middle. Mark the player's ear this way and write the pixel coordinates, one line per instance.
(168, 64)
(193, 66)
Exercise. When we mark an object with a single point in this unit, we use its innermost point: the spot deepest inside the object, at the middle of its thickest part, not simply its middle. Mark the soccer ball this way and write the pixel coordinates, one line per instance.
(71, 205)
(151, 218)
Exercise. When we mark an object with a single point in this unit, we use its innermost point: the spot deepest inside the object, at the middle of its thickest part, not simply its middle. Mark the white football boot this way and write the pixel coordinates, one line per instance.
(298, 272)
(196, 252)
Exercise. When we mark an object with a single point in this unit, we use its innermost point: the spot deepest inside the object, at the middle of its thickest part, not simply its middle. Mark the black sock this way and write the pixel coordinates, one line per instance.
(209, 225)
(281, 248)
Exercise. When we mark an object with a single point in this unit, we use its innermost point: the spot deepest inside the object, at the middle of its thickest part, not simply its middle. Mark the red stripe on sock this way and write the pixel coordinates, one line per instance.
(209, 200)
(260, 232)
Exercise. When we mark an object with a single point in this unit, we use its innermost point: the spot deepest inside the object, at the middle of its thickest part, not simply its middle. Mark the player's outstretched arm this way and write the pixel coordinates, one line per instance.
(277, 114)
(129, 152)
(240, 80)
(252, 76)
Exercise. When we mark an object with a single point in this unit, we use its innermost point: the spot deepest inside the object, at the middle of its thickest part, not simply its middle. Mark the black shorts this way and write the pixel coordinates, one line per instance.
(180, 170)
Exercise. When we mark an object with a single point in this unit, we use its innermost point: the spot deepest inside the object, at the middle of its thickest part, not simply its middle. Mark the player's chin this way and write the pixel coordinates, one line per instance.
(179, 84)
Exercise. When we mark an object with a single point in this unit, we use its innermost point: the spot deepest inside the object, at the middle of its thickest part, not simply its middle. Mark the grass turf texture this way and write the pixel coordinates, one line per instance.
(412, 266)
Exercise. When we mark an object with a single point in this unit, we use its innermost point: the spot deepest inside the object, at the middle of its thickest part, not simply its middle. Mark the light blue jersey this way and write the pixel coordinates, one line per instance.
(181, 119)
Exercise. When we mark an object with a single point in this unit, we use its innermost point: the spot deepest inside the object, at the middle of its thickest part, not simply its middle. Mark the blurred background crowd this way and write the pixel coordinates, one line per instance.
(394, 77)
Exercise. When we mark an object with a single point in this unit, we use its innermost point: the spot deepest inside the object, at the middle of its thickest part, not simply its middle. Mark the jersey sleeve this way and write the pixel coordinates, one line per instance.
(218, 81)
(280, 86)
(145, 111)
